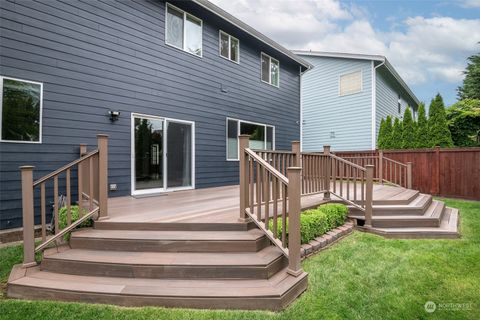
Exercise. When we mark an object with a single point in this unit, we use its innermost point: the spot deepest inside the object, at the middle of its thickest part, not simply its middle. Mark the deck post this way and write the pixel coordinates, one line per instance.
(294, 239)
(243, 142)
(409, 175)
(380, 166)
(328, 164)
(102, 140)
(28, 217)
(369, 195)
(297, 153)
(81, 176)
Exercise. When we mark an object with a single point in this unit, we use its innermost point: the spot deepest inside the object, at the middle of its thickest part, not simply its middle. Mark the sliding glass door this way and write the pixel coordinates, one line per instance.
(162, 154)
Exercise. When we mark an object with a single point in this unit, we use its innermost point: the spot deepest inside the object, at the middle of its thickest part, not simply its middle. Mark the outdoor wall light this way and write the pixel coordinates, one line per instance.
(114, 115)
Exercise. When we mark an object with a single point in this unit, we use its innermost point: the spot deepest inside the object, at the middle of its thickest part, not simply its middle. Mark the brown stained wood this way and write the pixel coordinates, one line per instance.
(43, 217)
(90, 183)
(69, 195)
(259, 190)
(275, 206)
(55, 203)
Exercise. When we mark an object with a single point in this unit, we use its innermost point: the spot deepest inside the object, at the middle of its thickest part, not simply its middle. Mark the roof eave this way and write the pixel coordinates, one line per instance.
(251, 31)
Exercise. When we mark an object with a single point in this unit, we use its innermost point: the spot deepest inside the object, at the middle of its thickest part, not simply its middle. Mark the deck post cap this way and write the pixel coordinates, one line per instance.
(27, 167)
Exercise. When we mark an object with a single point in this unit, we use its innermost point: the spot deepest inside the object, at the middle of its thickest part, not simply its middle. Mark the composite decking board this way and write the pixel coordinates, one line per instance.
(259, 258)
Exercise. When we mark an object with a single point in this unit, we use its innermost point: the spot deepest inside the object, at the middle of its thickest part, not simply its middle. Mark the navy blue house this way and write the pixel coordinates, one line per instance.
(171, 83)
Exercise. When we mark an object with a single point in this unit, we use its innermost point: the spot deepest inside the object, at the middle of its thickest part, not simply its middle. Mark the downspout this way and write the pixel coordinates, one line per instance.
(374, 102)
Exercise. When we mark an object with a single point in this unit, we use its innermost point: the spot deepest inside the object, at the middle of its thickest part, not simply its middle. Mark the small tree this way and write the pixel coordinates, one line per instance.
(387, 133)
(470, 88)
(381, 135)
(422, 136)
(397, 134)
(408, 130)
(464, 122)
(437, 124)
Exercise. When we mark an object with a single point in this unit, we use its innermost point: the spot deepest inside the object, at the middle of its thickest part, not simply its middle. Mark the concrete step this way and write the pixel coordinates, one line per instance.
(448, 229)
(174, 265)
(271, 294)
(169, 241)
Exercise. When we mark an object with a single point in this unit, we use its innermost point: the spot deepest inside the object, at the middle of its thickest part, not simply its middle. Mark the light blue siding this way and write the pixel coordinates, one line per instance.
(344, 122)
(387, 98)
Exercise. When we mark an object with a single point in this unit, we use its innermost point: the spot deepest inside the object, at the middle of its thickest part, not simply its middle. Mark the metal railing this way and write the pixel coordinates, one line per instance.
(91, 168)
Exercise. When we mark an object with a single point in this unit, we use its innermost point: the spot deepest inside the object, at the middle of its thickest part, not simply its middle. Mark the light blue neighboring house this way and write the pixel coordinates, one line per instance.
(344, 98)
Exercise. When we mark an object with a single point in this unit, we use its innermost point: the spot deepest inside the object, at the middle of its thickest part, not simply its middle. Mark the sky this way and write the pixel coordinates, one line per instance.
(427, 42)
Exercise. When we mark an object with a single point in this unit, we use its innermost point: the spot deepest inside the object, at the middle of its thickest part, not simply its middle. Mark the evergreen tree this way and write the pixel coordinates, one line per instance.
(397, 134)
(437, 124)
(470, 88)
(381, 135)
(387, 133)
(408, 130)
(422, 135)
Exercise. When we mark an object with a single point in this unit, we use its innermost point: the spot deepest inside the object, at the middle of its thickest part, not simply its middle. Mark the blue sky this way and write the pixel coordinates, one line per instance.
(426, 41)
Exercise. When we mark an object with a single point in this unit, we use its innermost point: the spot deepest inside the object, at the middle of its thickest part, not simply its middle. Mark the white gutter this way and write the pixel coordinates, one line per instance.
(374, 103)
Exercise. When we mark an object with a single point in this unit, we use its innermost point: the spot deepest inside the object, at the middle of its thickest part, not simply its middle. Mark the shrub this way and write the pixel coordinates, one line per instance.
(316, 222)
(74, 211)
(423, 138)
(408, 132)
(397, 133)
(387, 133)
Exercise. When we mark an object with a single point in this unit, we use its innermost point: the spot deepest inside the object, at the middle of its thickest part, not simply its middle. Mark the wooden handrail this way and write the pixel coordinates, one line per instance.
(65, 167)
(65, 230)
(394, 161)
(348, 162)
(267, 166)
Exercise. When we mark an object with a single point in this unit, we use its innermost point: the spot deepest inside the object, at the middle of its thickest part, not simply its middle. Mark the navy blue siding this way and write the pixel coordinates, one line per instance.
(93, 56)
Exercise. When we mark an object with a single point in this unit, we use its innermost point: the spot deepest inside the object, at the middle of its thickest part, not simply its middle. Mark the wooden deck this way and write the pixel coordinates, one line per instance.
(212, 205)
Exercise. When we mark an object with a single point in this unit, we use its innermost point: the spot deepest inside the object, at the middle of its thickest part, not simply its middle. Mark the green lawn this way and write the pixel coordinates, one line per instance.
(362, 277)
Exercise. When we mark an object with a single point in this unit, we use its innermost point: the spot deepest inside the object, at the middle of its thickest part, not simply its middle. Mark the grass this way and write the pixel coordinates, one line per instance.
(362, 277)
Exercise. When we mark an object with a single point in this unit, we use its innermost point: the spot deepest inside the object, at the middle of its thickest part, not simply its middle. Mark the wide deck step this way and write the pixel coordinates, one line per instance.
(448, 229)
(416, 207)
(184, 265)
(272, 294)
(169, 241)
(173, 226)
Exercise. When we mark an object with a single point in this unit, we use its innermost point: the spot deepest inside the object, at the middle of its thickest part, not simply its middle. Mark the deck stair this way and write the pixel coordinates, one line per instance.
(410, 214)
(234, 266)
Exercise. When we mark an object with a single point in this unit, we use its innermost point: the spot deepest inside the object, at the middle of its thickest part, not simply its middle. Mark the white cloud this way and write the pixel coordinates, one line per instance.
(470, 3)
(427, 48)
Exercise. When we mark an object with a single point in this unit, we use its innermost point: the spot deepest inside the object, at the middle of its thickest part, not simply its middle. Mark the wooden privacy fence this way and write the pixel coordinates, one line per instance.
(91, 169)
(448, 172)
(272, 184)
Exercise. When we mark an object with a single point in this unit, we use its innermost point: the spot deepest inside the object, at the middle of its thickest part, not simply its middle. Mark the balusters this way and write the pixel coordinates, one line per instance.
(275, 205)
(252, 183)
(69, 213)
(42, 212)
(266, 190)
(55, 203)
(90, 182)
(284, 215)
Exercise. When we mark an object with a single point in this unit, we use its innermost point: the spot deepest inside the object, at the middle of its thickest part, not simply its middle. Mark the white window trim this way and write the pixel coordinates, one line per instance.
(40, 135)
(238, 133)
(185, 14)
(345, 74)
(269, 70)
(220, 32)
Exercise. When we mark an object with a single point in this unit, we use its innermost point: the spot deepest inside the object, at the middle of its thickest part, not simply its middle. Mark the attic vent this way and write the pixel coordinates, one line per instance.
(351, 83)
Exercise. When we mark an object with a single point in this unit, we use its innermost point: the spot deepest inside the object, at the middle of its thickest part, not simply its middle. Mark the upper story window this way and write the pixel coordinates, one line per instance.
(183, 31)
(270, 70)
(350, 83)
(261, 136)
(20, 110)
(229, 47)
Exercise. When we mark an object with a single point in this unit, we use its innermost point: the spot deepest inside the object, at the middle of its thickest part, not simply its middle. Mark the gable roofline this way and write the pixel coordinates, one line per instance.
(251, 31)
(358, 56)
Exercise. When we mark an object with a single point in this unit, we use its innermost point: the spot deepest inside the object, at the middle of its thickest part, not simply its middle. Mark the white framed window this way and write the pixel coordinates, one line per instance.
(183, 30)
(262, 136)
(20, 110)
(229, 47)
(270, 70)
(350, 83)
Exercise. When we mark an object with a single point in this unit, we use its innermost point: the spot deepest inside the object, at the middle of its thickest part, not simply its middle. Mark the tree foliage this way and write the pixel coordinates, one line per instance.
(397, 133)
(381, 135)
(439, 134)
(408, 130)
(422, 135)
(463, 120)
(470, 88)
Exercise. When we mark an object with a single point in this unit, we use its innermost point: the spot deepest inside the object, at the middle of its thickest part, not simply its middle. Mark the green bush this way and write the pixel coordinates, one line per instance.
(316, 222)
(74, 211)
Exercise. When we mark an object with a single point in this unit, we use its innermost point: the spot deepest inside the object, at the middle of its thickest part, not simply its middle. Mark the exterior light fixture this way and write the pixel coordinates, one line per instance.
(114, 115)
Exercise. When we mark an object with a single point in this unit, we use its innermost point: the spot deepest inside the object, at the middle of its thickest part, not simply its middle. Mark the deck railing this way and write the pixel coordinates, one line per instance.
(386, 169)
(91, 168)
(273, 182)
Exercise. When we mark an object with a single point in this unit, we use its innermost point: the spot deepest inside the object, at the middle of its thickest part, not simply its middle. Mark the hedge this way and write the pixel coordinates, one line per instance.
(316, 222)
